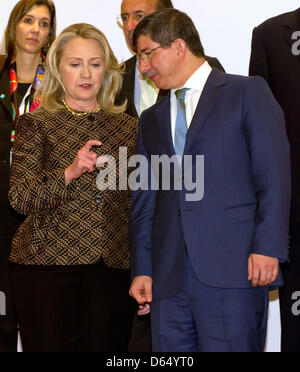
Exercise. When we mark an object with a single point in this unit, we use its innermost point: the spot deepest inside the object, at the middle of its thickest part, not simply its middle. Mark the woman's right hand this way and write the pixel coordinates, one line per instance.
(84, 162)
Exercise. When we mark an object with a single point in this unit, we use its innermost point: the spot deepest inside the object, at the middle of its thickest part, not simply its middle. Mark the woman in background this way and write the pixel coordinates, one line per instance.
(71, 273)
(29, 34)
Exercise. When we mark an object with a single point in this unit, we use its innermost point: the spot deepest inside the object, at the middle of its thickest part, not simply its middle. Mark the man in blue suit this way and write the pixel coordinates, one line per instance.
(206, 266)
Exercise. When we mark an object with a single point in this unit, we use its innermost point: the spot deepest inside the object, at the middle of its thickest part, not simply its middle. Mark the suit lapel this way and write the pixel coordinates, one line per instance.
(207, 102)
(162, 94)
(163, 116)
(128, 85)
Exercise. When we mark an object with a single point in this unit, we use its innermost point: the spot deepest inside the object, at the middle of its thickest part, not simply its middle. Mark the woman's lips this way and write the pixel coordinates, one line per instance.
(85, 86)
(30, 40)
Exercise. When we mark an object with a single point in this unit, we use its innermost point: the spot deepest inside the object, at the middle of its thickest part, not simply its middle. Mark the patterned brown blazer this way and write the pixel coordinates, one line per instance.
(77, 224)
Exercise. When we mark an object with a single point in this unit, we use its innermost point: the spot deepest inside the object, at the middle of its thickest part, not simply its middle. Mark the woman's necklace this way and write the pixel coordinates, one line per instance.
(76, 113)
(24, 81)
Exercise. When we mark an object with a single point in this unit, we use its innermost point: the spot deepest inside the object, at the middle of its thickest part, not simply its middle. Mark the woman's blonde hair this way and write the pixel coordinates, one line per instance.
(18, 12)
(52, 91)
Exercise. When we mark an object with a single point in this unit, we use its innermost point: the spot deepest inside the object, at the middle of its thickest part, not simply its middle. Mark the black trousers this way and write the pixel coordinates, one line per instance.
(141, 338)
(9, 223)
(290, 319)
(73, 309)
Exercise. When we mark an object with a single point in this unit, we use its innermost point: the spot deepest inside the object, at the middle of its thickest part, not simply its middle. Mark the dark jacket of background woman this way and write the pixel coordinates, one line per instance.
(5, 133)
(9, 219)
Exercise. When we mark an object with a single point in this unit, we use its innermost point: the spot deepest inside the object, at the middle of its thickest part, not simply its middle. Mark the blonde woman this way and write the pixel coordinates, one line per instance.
(71, 255)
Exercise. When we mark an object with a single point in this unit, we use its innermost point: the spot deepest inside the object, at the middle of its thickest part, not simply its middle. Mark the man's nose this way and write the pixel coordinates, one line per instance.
(132, 23)
(144, 66)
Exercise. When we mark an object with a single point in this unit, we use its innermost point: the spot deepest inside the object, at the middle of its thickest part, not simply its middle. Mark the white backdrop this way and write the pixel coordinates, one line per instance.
(225, 28)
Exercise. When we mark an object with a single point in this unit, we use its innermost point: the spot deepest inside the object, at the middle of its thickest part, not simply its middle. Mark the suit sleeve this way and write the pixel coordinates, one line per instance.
(259, 65)
(142, 214)
(32, 188)
(270, 159)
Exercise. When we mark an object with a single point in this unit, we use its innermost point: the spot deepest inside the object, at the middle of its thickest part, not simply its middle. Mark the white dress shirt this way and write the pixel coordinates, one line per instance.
(196, 85)
(145, 92)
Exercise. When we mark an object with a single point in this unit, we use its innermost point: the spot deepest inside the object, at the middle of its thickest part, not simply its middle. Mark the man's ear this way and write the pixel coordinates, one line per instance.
(180, 47)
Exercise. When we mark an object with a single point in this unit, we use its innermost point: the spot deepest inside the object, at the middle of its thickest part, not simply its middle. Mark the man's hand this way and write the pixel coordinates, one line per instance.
(141, 290)
(262, 270)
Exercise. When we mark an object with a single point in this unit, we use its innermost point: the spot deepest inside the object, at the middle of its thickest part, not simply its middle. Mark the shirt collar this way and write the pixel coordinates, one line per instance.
(199, 78)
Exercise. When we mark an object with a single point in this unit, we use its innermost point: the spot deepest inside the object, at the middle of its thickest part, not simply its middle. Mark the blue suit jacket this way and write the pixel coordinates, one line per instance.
(240, 129)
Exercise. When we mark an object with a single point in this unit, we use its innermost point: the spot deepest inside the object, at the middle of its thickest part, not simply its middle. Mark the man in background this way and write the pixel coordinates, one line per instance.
(140, 92)
(276, 57)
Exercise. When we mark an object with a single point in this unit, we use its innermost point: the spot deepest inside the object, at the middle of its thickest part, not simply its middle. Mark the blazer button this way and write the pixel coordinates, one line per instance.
(98, 199)
(179, 212)
(91, 118)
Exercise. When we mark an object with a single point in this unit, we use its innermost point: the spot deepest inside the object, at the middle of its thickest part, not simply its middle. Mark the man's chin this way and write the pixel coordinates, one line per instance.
(158, 82)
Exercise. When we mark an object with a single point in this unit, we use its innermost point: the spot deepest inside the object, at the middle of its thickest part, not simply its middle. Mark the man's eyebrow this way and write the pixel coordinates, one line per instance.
(135, 12)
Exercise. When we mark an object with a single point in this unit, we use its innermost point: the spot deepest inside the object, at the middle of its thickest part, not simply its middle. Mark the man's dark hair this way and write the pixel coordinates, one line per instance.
(164, 4)
(166, 26)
